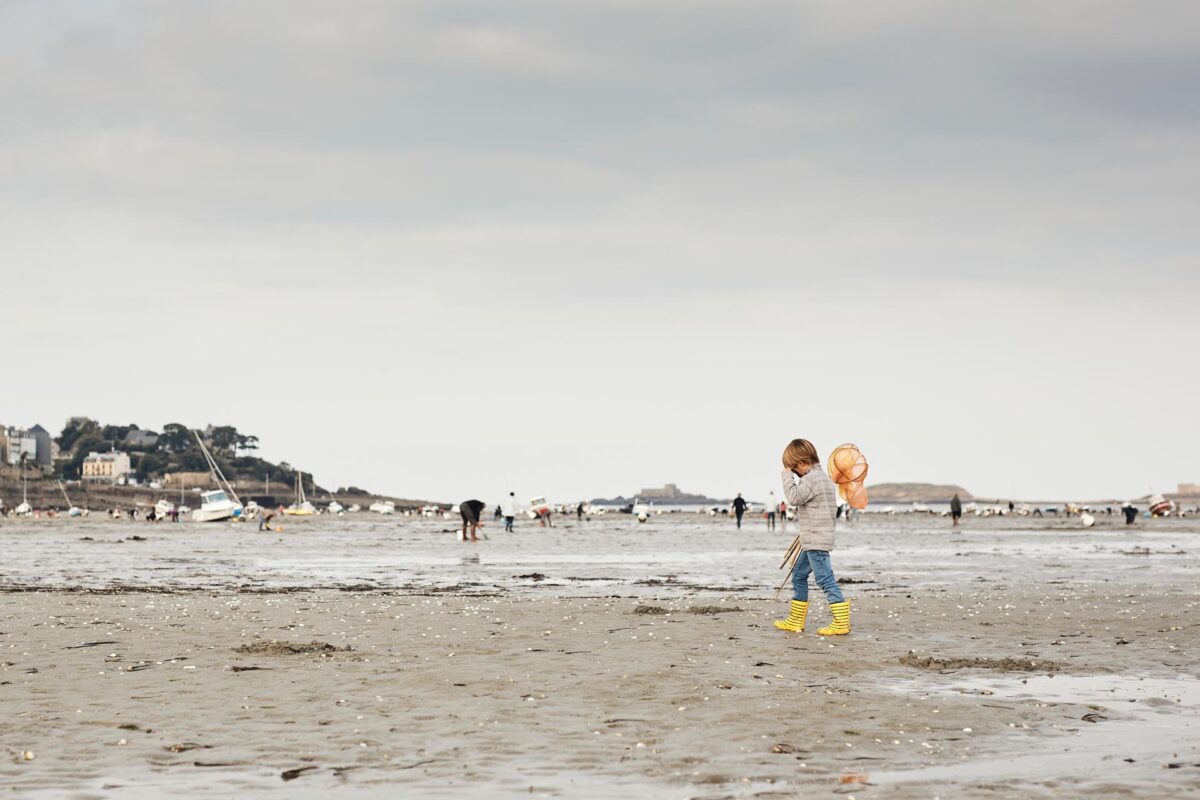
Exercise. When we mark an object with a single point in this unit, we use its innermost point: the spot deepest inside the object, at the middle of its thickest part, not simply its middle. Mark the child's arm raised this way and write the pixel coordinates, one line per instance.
(797, 492)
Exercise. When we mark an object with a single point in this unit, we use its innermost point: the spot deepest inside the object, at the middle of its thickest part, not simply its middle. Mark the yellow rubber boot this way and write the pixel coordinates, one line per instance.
(795, 619)
(841, 620)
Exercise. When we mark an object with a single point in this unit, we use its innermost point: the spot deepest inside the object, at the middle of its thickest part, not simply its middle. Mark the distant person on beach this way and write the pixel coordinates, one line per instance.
(955, 508)
(770, 511)
(1130, 513)
(264, 522)
(739, 508)
(812, 493)
(579, 512)
(470, 511)
(508, 508)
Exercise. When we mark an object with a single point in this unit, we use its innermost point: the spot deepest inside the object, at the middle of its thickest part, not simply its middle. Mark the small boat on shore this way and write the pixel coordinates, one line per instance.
(1160, 506)
(538, 507)
(383, 507)
(72, 509)
(24, 509)
(218, 504)
(215, 506)
(335, 507)
(300, 508)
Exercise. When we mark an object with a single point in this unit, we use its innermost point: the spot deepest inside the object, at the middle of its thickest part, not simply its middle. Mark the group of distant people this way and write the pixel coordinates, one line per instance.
(471, 511)
(772, 511)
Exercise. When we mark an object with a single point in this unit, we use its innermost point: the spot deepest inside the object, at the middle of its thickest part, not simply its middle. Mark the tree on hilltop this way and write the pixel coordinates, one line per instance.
(224, 437)
(117, 433)
(175, 438)
(73, 430)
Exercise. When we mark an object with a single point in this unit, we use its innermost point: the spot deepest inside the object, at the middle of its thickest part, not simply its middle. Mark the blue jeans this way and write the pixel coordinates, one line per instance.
(816, 562)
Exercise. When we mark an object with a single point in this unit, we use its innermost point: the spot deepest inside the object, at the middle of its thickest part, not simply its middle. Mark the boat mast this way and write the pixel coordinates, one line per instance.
(215, 469)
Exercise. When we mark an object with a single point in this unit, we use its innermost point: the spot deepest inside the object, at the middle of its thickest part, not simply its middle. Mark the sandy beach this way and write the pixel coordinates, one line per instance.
(967, 689)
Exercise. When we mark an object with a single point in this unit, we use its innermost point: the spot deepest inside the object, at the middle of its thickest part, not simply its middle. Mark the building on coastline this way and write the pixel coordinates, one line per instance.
(45, 446)
(142, 439)
(187, 480)
(108, 467)
(34, 444)
(668, 492)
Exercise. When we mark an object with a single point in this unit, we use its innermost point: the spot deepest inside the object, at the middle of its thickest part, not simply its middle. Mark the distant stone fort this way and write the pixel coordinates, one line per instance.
(669, 494)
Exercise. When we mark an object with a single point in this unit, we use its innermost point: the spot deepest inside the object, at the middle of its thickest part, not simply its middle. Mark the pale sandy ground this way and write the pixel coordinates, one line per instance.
(491, 696)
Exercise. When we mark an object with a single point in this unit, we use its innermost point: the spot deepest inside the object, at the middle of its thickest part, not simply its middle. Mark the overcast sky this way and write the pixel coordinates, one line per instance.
(429, 248)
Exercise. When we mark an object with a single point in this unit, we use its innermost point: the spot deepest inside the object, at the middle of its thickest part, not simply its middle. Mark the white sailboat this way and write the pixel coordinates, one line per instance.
(218, 504)
(300, 508)
(335, 507)
(24, 509)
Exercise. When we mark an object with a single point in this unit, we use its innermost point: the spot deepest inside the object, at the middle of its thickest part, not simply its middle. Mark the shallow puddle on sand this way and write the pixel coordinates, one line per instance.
(1147, 723)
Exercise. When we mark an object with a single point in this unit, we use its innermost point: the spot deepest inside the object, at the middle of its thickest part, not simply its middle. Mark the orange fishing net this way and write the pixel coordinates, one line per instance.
(848, 469)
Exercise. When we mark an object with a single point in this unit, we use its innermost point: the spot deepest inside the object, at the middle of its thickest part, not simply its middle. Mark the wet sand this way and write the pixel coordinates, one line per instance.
(135, 694)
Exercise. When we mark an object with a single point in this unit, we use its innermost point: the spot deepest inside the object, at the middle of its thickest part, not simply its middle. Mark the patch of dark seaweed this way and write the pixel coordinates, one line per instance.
(651, 610)
(277, 648)
(714, 609)
(660, 610)
(975, 662)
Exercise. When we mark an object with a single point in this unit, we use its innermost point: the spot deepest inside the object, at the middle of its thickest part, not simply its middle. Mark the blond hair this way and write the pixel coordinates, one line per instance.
(800, 451)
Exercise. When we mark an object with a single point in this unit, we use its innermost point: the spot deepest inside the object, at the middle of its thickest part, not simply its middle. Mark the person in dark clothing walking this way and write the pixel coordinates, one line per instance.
(470, 511)
(739, 508)
(955, 509)
(1130, 513)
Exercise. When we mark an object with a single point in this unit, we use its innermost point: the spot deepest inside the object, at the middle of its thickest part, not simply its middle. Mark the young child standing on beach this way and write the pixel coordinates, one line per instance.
(809, 489)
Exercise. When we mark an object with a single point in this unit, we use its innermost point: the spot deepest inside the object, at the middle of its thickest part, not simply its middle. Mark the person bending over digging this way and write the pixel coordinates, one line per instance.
(470, 511)
(809, 489)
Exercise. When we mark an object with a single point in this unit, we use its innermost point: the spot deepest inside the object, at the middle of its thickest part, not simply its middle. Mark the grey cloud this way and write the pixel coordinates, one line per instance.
(614, 179)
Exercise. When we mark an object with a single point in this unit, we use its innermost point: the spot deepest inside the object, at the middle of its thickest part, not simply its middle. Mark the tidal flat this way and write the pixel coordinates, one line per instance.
(359, 657)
